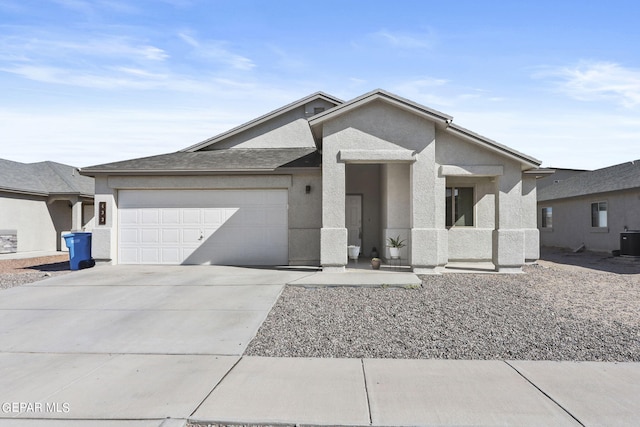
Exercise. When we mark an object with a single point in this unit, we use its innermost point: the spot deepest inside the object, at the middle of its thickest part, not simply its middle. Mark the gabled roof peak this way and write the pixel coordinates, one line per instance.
(300, 102)
(380, 94)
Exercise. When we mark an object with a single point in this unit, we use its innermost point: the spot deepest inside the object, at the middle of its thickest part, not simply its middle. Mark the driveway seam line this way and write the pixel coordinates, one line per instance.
(215, 387)
(548, 396)
(366, 391)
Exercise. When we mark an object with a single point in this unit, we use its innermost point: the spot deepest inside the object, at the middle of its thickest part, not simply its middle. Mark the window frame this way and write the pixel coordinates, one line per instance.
(543, 218)
(453, 224)
(599, 227)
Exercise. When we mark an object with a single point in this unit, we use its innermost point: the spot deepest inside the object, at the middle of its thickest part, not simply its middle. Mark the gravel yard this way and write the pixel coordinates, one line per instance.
(16, 272)
(569, 307)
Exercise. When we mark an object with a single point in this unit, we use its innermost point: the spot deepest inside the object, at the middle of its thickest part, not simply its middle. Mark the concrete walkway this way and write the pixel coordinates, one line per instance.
(150, 346)
(168, 390)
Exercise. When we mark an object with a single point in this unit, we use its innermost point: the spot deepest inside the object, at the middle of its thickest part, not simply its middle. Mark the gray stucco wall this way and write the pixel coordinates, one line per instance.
(288, 130)
(30, 216)
(572, 221)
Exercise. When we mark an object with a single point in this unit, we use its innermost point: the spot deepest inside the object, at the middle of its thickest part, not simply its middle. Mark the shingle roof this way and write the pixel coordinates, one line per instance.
(232, 159)
(43, 178)
(613, 178)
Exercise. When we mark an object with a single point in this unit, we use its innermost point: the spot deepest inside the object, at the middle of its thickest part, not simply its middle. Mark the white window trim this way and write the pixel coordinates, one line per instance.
(542, 228)
(604, 229)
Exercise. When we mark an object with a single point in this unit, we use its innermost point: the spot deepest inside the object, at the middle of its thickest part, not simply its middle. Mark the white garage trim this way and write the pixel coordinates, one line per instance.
(227, 227)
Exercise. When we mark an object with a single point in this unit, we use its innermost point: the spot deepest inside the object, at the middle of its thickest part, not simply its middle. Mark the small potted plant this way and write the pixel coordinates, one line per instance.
(394, 247)
(375, 263)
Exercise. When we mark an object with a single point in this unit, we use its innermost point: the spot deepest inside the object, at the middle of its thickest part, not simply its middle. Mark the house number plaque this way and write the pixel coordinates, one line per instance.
(102, 213)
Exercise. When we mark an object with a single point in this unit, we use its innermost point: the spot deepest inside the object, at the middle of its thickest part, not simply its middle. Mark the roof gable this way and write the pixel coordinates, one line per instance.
(263, 119)
(442, 119)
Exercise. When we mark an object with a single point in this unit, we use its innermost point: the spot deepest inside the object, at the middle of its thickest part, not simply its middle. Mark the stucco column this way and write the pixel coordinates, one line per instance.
(429, 240)
(104, 236)
(508, 236)
(76, 214)
(530, 218)
(333, 235)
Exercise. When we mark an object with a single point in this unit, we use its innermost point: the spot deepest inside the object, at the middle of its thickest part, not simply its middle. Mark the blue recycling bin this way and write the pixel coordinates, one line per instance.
(79, 245)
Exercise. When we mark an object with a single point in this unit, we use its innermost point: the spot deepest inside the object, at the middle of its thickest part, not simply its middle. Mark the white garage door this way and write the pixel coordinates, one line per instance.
(227, 227)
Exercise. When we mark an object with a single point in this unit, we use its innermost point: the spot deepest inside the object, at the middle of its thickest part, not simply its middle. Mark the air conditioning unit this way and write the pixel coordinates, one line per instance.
(630, 243)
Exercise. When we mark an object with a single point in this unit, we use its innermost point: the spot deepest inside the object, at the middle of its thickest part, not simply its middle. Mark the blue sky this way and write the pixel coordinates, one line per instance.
(88, 82)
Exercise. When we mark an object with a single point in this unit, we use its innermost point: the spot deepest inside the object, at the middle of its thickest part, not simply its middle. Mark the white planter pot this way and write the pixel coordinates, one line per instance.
(394, 253)
(353, 251)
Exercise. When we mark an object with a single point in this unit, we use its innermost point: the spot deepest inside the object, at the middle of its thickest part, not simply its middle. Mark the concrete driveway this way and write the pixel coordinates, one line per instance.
(127, 342)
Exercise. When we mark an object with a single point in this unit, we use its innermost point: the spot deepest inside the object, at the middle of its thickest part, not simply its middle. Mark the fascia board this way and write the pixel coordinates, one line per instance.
(25, 192)
(132, 172)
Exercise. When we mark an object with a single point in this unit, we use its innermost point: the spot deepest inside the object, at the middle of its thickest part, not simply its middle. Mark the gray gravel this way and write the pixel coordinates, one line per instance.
(9, 280)
(549, 313)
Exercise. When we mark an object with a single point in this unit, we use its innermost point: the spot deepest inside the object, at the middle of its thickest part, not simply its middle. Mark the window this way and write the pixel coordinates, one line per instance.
(318, 110)
(599, 214)
(547, 217)
(459, 206)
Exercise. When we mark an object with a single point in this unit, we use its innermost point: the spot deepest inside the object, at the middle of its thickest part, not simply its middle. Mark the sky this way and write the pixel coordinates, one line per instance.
(90, 82)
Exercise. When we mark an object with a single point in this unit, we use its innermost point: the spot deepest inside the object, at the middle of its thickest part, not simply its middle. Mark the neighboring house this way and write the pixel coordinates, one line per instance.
(556, 176)
(297, 185)
(591, 208)
(39, 202)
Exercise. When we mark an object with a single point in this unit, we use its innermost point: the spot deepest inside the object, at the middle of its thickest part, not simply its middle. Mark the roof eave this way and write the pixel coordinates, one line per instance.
(131, 172)
(21, 191)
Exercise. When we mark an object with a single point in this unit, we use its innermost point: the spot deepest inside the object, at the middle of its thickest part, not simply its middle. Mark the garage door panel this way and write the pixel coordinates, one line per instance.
(150, 256)
(129, 235)
(237, 227)
(170, 216)
(191, 217)
(128, 217)
(150, 217)
(171, 255)
(150, 235)
(171, 236)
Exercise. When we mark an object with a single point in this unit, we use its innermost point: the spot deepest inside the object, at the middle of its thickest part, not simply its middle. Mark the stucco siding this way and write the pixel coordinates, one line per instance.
(572, 221)
(289, 130)
(30, 216)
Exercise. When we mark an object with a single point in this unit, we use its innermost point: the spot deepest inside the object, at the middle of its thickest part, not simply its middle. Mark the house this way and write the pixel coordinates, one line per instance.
(299, 184)
(41, 201)
(591, 208)
(555, 176)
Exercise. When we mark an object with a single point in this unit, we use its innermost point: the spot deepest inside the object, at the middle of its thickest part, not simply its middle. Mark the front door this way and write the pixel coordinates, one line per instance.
(353, 219)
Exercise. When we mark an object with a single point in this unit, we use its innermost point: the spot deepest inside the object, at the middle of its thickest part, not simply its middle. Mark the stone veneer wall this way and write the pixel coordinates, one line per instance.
(8, 241)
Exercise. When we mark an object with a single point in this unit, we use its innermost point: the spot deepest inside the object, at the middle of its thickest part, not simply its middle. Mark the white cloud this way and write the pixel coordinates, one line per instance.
(406, 40)
(216, 51)
(592, 81)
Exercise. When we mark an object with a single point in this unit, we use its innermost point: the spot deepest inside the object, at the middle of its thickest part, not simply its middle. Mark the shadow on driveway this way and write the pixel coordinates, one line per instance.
(602, 261)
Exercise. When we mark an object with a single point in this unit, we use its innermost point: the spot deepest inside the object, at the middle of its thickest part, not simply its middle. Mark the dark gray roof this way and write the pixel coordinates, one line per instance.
(613, 178)
(232, 159)
(44, 178)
